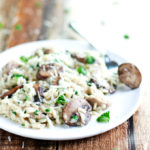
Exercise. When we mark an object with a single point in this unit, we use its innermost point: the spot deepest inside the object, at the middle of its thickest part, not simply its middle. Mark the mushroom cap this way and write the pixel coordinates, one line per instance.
(73, 108)
(130, 75)
(9, 66)
(47, 70)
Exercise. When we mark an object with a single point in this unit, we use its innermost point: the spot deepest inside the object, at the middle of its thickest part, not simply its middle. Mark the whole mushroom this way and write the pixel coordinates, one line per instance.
(130, 75)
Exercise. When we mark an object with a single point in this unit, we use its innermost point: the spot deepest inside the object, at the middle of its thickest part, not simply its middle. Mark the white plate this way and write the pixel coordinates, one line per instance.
(124, 102)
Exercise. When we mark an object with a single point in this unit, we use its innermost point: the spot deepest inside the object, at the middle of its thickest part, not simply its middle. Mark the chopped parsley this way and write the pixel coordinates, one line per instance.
(38, 4)
(126, 36)
(36, 112)
(90, 59)
(25, 59)
(104, 117)
(14, 112)
(18, 27)
(61, 100)
(25, 112)
(26, 98)
(47, 110)
(89, 83)
(22, 124)
(16, 76)
(1, 25)
(76, 92)
(82, 70)
(75, 117)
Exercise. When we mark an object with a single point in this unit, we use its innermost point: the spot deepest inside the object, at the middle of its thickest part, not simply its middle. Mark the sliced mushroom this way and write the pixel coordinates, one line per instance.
(49, 70)
(48, 51)
(38, 98)
(73, 109)
(93, 100)
(80, 59)
(9, 66)
(11, 91)
(130, 75)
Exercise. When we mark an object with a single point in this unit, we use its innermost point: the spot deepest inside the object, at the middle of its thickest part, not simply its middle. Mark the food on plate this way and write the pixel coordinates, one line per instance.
(130, 75)
(56, 87)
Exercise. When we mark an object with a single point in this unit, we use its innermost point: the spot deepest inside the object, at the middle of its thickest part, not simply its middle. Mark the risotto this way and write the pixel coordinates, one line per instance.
(53, 87)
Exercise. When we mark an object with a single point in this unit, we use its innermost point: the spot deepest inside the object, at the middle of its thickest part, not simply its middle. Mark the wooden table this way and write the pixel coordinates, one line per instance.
(29, 20)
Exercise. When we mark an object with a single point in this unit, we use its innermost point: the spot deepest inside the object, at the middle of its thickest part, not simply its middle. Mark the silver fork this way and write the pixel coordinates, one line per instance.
(81, 31)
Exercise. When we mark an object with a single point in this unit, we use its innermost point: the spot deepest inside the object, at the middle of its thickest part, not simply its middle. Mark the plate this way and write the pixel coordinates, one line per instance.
(124, 102)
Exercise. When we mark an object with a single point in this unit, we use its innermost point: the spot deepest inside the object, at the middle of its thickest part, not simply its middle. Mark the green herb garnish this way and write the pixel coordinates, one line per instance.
(89, 83)
(25, 112)
(90, 59)
(18, 27)
(47, 110)
(26, 98)
(22, 124)
(82, 70)
(36, 112)
(75, 117)
(1, 25)
(14, 112)
(16, 76)
(104, 117)
(126, 36)
(25, 59)
(61, 100)
(76, 92)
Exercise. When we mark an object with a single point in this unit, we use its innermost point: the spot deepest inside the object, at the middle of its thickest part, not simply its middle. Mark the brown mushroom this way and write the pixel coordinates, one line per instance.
(72, 109)
(48, 51)
(80, 59)
(38, 98)
(9, 66)
(11, 91)
(130, 75)
(48, 70)
(93, 100)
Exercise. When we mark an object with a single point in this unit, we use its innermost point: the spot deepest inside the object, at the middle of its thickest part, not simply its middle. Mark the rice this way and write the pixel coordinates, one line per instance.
(40, 109)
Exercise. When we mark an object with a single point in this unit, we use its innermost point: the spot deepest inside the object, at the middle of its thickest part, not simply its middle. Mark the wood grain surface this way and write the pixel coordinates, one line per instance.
(43, 19)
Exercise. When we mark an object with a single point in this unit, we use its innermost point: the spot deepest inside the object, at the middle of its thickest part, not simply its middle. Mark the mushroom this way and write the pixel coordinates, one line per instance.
(130, 75)
(9, 66)
(38, 98)
(80, 59)
(48, 51)
(11, 91)
(73, 109)
(49, 70)
(92, 100)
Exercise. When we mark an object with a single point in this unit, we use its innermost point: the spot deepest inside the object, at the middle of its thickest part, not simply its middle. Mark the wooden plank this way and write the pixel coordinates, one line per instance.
(27, 22)
(29, 16)
(7, 12)
(142, 119)
(52, 19)
(114, 139)
(12, 142)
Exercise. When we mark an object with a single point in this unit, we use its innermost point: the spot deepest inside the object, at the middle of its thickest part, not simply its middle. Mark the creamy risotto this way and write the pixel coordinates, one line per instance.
(53, 87)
